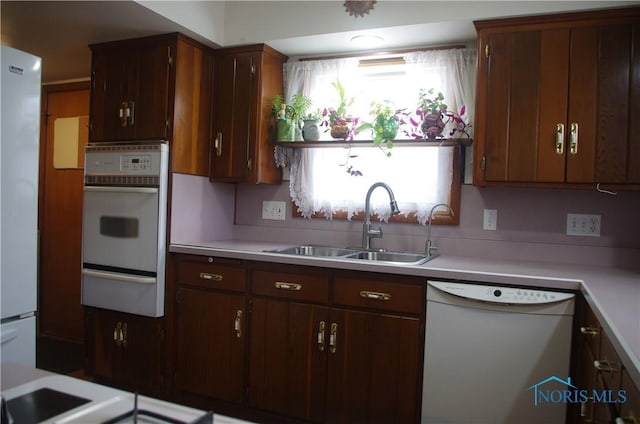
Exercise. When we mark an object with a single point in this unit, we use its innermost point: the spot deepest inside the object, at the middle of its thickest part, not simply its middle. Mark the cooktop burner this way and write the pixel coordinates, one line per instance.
(42, 404)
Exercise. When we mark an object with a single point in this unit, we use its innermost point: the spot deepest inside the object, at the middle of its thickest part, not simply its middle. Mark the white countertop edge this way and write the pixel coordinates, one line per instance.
(562, 277)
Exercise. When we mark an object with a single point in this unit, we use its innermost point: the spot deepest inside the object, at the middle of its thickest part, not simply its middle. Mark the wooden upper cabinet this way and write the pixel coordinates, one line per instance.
(557, 100)
(245, 82)
(155, 89)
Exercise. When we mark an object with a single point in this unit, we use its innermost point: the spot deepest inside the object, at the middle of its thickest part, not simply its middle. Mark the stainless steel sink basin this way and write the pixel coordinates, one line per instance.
(399, 258)
(317, 251)
(392, 257)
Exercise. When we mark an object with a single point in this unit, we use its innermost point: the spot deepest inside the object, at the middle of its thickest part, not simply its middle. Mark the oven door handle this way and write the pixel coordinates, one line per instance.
(115, 189)
(117, 276)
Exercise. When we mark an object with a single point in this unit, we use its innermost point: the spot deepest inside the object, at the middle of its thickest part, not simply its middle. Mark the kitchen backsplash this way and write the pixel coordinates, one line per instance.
(531, 223)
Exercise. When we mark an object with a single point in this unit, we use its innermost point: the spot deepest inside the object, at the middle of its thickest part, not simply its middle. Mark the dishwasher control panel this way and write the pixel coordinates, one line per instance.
(498, 294)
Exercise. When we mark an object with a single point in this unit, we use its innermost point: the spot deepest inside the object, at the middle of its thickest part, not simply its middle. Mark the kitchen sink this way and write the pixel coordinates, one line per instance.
(400, 258)
(317, 251)
(393, 257)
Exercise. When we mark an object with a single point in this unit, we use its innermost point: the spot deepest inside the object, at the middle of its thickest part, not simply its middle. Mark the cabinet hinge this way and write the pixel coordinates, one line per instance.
(253, 69)
(162, 334)
(483, 163)
(487, 50)
(249, 163)
(167, 123)
(169, 56)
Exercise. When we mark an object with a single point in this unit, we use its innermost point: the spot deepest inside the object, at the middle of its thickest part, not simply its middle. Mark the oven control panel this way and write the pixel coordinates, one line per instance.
(135, 163)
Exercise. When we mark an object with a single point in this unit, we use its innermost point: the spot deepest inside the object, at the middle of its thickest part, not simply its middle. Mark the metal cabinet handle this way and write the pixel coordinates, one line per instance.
(573, 139)
(560, 138)
(585, 411)
(217, 144)
(375, 295)
(321, 336)
(606, 366)
(208, 276)
(116, 334)
(333, 336)
(589, 331)
(123, 113)
(631, 419)
(283, 285)
(123, 334)
(131, 113)
(237, 324)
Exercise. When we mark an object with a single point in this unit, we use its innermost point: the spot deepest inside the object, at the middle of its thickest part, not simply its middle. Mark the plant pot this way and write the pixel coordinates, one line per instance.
(432, 125)
(286, 130)
(311, 130)
(340, 130)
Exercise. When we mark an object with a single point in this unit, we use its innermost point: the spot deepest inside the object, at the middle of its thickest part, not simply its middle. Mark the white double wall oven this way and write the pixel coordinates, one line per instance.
(124, 227)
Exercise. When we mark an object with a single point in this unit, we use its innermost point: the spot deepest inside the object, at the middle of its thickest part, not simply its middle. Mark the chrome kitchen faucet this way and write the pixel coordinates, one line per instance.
(367, 232)
(429, 245)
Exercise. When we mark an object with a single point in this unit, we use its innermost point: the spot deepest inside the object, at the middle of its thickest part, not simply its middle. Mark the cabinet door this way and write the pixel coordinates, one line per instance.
(233, 119)
(288, 360)
(130, 94)
(125, 349)
(374, 368)
(210, 343)
(524, 71)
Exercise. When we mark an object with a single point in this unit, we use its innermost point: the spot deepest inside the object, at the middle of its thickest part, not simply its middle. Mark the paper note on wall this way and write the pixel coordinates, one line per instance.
(70, 135)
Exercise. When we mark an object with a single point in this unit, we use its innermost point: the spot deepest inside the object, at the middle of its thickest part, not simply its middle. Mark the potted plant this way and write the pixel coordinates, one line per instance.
(311, 123)
(339, 122)
(431, 108)
(288, 115)
(385, 125)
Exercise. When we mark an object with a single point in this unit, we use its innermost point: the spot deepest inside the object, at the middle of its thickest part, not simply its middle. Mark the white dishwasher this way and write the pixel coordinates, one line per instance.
(489, 349)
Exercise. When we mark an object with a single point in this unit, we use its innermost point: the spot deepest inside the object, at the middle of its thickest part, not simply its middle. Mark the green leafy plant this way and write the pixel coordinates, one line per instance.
(428, 102)
(294, 110)
(385, 124)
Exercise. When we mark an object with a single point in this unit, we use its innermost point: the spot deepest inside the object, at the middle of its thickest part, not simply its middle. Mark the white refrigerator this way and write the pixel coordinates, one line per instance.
(19, 143)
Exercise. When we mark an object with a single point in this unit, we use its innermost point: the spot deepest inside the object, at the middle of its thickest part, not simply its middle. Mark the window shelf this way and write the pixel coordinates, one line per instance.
(363, 143)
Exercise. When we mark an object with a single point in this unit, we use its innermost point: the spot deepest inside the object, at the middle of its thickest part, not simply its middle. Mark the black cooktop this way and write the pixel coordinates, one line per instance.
(42, 404)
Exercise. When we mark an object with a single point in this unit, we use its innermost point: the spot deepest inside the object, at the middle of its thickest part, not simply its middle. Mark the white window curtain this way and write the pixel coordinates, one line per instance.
(420, 177)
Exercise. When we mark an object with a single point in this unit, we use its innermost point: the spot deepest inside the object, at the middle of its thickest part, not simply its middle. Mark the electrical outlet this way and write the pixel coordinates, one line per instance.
(273, 210)
(583, 225)
(490, 219)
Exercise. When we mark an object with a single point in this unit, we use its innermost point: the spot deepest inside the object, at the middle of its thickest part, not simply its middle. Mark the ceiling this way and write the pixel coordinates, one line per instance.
(61, 31)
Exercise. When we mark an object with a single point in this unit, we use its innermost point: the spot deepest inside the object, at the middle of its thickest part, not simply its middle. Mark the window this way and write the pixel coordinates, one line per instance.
(420, 177)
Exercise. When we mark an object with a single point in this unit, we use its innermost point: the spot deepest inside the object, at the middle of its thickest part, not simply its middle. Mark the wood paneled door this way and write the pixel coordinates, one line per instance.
(64, 133)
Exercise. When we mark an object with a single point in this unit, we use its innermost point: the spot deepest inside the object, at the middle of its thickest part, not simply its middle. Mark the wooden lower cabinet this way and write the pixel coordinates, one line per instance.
(288, 363)
(211, 343)
(354, 359)
(612, 397)
(125, 350)
(210, 328)
(373, 368)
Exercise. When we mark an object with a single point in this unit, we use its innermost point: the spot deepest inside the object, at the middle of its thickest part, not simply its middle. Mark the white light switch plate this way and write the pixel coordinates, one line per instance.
(273, 210)
(583, 225)
(490, 219)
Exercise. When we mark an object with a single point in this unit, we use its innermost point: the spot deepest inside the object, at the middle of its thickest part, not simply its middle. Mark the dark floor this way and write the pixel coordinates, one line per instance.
(59, 356)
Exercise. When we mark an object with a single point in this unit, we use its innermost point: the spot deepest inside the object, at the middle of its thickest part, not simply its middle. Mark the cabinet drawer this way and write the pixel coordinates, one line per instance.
(383, 295)
(590, 331)
(295, 286)
(607, 363)
(212, 275)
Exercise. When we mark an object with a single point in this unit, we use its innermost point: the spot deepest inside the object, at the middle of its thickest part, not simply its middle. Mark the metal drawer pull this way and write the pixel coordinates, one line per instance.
(321, 342)
(573, 139)
(207, 276)
(333, 337)
(606, 366)
(237, 324)
(282, 285)
(560, 139)
(217, 144)
(590, 331)
(375, 295)
(585, 411)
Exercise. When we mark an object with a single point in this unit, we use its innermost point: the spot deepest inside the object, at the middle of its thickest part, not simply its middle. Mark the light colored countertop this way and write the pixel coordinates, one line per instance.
(613, 293)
